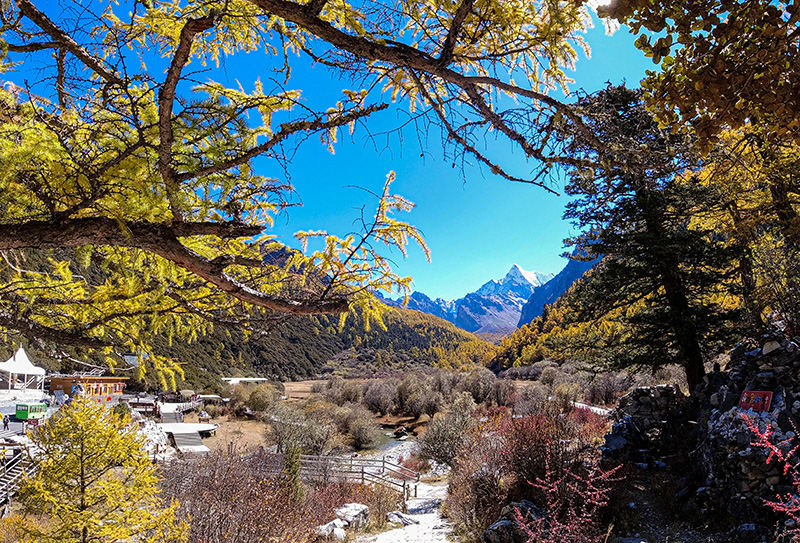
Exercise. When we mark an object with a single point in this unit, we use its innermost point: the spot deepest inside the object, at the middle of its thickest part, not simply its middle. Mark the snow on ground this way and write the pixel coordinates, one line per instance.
(14, 396)
(425, 508)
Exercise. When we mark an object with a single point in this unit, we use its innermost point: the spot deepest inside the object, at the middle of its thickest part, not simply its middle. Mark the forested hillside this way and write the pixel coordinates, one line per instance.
(297, 348)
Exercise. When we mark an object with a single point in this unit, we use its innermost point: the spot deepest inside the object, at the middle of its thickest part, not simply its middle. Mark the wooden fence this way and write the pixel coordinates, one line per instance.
(333, 469)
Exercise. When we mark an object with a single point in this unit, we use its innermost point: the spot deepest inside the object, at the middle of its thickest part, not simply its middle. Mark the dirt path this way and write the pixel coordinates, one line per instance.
(425, 508)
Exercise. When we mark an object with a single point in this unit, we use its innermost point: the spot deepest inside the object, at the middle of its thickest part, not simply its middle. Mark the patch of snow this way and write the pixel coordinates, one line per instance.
(14, 396)
(426, 524)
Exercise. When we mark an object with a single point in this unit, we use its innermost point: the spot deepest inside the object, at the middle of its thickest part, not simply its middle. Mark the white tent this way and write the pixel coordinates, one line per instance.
(20, 364)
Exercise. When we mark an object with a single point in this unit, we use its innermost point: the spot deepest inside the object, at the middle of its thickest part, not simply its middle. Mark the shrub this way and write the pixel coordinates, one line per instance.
(504, 393)
(433, 403)
(532, 399)
(239, 394)
(122, 409)
(351, 393)
(784, 454)
(262, 397)
(606, 388)
(379, 397)
(444, 435)
(566, 394)
(549, 375)
(478, 489)
(572, 504)
(290, 428)
(479, 382)
(362, 428)
(502, 456)
(415, 404)
(243, 500)
(213, 410)
(407, 387)
(415, 462)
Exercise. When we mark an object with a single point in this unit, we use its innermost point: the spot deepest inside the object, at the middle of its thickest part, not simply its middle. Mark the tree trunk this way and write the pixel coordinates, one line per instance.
(679, 312)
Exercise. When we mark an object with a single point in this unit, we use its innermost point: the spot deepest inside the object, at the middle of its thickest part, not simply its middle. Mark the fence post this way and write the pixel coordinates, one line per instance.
(362, 474)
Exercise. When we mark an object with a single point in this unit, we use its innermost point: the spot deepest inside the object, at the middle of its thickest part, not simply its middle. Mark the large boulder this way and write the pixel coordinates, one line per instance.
(507, 529)
(333, 530)
(356, 515)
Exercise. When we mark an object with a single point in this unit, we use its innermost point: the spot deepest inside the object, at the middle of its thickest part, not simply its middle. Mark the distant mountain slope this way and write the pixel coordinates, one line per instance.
(553, 289)
(299, 348)
(494, 308)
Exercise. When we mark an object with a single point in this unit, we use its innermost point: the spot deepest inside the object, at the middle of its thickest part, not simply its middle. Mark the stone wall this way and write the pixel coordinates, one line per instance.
(738, 478)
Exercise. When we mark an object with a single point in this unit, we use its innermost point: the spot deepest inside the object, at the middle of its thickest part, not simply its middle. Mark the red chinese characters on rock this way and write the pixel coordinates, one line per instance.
(757, 400)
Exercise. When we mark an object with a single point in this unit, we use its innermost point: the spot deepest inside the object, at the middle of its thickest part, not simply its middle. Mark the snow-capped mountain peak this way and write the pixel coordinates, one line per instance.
(495, 307)
(517, 274)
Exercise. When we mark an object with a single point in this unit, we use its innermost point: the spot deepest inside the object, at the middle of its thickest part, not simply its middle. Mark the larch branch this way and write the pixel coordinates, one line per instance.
(162, 240)
(286, 130)
(446, 55)
(166, 101)
(65, 41)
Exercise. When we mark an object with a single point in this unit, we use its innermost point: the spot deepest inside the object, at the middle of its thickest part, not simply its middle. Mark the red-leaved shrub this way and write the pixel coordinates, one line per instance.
(546, 459)
(784, 453)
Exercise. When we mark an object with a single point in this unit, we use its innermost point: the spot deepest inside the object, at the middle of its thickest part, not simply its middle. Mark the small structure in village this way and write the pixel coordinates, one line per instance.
(103, 389)
(22, 374)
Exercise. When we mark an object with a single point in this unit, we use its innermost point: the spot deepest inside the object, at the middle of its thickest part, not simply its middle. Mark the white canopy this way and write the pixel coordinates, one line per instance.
(20, 364)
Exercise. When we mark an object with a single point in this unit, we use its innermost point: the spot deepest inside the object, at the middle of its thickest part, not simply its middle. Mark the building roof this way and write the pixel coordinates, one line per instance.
(20, 364)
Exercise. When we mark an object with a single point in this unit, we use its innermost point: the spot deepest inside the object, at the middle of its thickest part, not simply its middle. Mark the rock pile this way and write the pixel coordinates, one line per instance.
(646, 418)
(354, 516)
(738, 478)
(651, 407)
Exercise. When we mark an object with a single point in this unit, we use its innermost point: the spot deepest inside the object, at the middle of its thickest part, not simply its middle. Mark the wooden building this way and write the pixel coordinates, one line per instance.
(101, 388)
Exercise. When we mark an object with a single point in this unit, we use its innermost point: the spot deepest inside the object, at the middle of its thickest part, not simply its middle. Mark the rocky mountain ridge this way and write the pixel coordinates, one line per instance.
(494, 308)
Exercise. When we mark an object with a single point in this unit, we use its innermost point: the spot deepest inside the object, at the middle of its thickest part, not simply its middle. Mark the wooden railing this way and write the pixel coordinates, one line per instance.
(13, 470)
(331, 469)
(188, 406)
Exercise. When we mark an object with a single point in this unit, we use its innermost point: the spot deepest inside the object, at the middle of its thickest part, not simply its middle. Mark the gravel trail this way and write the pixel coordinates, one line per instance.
(425, 508)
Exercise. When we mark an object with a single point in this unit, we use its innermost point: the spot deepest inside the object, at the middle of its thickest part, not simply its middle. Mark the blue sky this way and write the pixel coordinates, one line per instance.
(476, 225)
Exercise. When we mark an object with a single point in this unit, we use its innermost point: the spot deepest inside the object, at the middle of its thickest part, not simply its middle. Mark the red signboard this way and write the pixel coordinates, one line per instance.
(757, 400)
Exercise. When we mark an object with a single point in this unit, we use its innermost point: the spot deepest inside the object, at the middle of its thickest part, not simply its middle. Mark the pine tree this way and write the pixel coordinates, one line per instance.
(668, 283)
(94, 483)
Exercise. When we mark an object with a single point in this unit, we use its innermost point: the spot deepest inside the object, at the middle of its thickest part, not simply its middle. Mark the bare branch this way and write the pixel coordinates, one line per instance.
(286, 130)
(166, 100)
(64, 40)
(461, 140)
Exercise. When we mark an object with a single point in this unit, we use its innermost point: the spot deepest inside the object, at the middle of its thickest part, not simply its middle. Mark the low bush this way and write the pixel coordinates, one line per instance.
(415, 462)
(213, 410)
(292, 428)
(262, 397)
(362, 428)
(379, 397)
(239, 500)
(445, 434)
(502, 456)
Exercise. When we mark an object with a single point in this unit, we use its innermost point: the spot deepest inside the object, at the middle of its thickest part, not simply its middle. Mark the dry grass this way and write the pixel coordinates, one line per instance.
(300, 390)
(246, 435)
